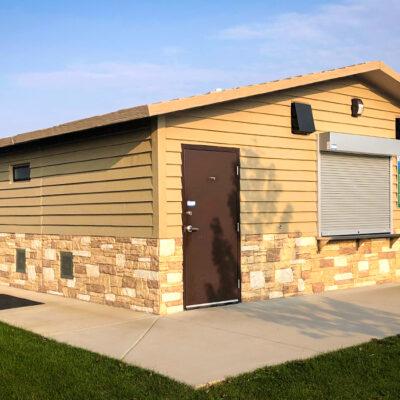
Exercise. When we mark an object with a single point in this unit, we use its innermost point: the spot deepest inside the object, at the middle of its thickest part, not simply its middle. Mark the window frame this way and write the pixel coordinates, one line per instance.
(15, 167)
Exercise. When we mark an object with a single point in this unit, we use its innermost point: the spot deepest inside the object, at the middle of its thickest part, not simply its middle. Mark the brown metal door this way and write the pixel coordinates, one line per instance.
(211, 225)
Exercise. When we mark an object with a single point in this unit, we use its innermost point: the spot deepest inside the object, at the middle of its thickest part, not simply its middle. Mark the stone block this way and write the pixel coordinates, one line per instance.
(340, 262)
(387, 254)
(363, 266)
(145, 274)
(166, 247)
(84, 297)
(107, 269)
(257, 279)
(171, 296)
(126, 291)
(71, 283)
(92, 271)
(284, 275)
(298, 262)
(174, 277)
(343, 277)
(109, 297)
(384, 266)
(106, 246)
(80, 269)
(4, 267)
(48, 274)
(326, 263)
(144, 259)
(36, 244)
(174, 309)
(301, 285)
(275, 294)
(82, 253)
(95, 288)
(250, 248)
(55, 292)
(50, 254)
(306, 242)
(273, 255)
(139, 242)
(128, 281)
(86, 240)
(31, 272)
(268, 238)
(305, 275)
(143, 309)
(120, 260)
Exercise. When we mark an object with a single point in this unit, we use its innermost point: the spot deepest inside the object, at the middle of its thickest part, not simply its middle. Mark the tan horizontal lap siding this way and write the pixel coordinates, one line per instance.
(96, 186)
(279, 188)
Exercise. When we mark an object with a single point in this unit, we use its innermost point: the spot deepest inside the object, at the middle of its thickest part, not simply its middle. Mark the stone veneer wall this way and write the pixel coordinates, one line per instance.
(286, 265)
(141, 274)
(147, 274)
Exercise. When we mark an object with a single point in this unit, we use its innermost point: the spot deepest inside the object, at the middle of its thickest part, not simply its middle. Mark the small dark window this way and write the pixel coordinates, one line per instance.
(67, 266)
(21, 173)
(20, 262)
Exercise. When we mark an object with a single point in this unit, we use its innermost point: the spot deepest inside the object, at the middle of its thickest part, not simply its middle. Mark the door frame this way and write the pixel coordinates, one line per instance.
(215, 149)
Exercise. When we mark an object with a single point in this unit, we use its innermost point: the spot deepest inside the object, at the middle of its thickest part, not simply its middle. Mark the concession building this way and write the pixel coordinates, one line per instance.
(277, 189)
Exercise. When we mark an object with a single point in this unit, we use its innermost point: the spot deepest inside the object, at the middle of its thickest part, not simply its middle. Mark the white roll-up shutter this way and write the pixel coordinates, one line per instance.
(355, 194)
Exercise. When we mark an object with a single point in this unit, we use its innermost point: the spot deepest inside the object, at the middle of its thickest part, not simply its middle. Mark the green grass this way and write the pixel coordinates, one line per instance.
(32, 367)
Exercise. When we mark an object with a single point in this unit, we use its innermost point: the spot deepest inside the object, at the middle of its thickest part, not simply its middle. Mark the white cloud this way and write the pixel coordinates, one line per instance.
(330, 35)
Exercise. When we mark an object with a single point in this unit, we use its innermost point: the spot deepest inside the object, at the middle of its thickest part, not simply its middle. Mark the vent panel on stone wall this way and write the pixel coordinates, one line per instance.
(20, 262)
(67, 267)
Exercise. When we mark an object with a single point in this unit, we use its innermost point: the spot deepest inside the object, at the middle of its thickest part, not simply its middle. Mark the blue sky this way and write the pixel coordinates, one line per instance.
(63, 60)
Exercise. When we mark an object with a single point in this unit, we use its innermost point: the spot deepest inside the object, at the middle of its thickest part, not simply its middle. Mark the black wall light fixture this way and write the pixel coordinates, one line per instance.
(398, 130)
(357, 107)
(302, 119)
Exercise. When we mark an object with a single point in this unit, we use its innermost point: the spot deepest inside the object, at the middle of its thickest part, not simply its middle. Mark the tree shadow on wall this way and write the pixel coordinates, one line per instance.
(261, 209)
(260, 203)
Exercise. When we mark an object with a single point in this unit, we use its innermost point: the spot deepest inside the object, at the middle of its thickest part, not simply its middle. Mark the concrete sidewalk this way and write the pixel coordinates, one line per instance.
(202, 346)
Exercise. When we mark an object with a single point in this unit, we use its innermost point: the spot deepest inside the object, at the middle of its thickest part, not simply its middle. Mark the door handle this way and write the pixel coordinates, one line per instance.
(190, 229)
